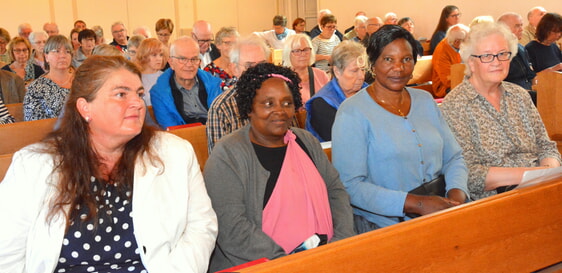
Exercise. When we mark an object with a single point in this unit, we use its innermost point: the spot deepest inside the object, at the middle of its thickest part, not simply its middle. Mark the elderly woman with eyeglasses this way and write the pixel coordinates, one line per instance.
(495, 122)
(222, 67)
(349, 61)
(4, 40)
(298, 55)
(37, 40)
(46, 96)
(20, 50)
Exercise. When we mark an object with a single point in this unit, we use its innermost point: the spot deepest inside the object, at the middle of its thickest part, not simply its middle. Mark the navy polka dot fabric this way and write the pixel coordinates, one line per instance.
(108, 247)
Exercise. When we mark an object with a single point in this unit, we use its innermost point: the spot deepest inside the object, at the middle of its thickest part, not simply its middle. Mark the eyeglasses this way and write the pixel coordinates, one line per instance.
(456, 15)
(331, 27)
(60, 51)
(305, 50)
(488, 58)
(183, 60)
(24, 50)
(164, 34)
(118, 31)
(202, 41)
(228, 43)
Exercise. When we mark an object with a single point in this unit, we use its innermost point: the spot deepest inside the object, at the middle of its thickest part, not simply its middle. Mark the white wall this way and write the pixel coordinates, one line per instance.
(425, 13)
(246, 15)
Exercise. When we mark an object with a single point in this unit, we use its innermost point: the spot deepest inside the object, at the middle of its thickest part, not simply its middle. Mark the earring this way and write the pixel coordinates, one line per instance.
(87, 119)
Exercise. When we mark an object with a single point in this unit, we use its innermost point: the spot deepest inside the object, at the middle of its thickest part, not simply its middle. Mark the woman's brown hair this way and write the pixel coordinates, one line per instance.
(76, 161)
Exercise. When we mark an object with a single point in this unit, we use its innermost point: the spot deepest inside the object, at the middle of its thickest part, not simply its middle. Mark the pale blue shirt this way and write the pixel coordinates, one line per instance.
(381, 156)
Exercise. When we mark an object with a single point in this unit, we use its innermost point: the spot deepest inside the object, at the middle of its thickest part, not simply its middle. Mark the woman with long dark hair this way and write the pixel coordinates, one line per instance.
(450, 16)
(104, 192)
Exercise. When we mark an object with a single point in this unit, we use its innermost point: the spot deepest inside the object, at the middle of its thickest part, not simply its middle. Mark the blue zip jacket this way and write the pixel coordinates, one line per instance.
(162, 100)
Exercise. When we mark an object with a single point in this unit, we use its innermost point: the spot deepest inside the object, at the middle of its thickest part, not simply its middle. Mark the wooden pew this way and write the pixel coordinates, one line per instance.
(150, 112)
(20, 134)
(421, 76)
(301, 118)
(457, 74)
(5, 161)
(549, 96)
(426, 47)
(16, 110)
(197, 136)
(518, 231)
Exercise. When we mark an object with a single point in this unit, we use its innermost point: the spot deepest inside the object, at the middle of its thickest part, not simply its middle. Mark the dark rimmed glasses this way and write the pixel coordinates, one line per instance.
(488, 58)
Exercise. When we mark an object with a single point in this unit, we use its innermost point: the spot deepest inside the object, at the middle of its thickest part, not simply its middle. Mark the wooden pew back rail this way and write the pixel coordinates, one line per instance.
(518, 231)
(20, 134)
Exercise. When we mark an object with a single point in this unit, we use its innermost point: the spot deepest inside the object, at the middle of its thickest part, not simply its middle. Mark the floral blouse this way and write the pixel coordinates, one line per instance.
(227, 80)
(44, 99)
(515, 136)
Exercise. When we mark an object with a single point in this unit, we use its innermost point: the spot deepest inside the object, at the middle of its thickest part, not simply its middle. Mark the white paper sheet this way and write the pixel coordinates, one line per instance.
(541, 175)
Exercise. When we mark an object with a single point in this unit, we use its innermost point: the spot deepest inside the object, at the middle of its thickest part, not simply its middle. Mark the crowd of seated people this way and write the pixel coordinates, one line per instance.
(262, 169)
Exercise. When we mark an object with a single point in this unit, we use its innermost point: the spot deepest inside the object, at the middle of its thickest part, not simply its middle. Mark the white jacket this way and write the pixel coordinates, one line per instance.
(172, 214)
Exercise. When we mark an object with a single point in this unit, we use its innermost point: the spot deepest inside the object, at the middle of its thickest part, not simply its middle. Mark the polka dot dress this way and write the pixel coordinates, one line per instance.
(109, 247)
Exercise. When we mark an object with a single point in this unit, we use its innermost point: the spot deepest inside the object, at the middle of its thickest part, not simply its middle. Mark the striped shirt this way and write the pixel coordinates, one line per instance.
(5, 116)
(324, 47)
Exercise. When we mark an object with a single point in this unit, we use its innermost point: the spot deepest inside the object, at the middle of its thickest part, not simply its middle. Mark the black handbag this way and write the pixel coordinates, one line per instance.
(433, 187)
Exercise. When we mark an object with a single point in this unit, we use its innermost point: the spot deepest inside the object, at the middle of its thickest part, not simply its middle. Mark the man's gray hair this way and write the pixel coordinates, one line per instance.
(247, 41)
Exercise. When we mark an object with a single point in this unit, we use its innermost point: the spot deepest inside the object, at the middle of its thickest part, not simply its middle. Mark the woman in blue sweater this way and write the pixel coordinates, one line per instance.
(388, 140)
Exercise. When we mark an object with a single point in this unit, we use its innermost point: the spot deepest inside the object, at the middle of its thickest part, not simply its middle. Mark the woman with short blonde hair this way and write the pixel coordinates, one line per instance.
(152, 56)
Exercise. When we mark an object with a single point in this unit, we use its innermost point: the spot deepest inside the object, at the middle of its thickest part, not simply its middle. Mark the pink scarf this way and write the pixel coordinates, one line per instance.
(298, 207)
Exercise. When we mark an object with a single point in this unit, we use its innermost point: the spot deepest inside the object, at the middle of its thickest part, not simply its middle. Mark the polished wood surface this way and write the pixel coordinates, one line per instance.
(549, 98)
(17, 135)
(301, 118)
(422, 71)
(457, 74)
(197, 136)
(5, 161)
(518, 231)
(16, 110)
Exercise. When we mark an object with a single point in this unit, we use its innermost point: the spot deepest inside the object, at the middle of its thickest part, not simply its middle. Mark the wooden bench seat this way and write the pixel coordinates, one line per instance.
(20, 134)
(457, 74)
(421, 76)
(518, 231)
(549, 96)
(16, 110)
(197, 136)
(5, 161)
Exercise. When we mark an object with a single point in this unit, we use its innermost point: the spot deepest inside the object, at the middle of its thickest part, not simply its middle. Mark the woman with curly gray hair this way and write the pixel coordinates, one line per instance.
(272, 187)
(495, 122)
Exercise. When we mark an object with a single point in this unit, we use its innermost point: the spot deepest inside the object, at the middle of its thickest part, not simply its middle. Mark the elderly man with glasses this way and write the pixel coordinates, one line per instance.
(120, 37)
(203, 34)
(184, 92)
(223, 114)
